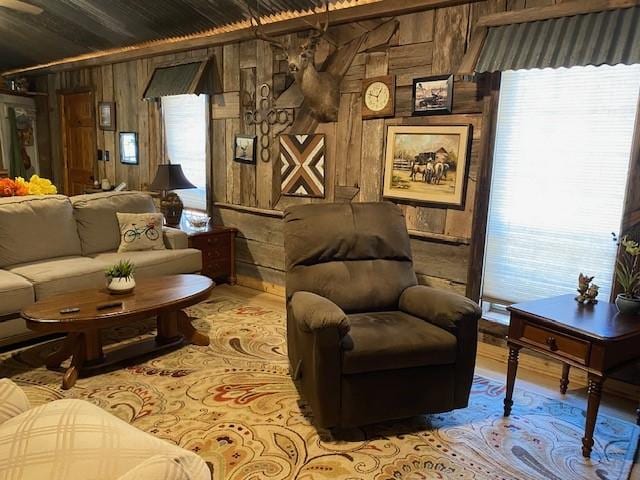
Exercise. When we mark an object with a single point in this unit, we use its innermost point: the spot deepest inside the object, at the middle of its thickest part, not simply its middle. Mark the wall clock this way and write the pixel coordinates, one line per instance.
(378, 96)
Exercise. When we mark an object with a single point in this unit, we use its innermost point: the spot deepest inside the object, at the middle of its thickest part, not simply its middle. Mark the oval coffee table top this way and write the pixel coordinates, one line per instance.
(150, 297)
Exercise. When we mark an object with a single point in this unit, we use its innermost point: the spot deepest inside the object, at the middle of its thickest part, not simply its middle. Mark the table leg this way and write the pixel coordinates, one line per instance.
(189, 331)
(65, 351)
(564, 381)
(512, 369)
(167, 327)
(638, 416)
(595, 392)
(71, 375)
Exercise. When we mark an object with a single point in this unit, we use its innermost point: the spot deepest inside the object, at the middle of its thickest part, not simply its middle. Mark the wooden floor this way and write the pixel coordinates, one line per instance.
(487, 367)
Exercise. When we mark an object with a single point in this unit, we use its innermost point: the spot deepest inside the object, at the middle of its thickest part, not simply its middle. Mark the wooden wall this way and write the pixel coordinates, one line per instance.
(247, 196)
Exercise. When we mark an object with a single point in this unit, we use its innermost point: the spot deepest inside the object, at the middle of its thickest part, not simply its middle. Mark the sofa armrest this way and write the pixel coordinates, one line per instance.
(13, 400)
(175, 239)
(456, 314)
(314, 313)
(440, 307)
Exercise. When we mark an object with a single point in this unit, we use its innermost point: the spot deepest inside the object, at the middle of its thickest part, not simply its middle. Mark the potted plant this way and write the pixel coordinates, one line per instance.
(120, 277)
(628, 277)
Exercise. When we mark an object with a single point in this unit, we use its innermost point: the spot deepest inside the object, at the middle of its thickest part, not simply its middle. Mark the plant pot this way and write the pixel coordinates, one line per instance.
(628, 305)
(121, 285)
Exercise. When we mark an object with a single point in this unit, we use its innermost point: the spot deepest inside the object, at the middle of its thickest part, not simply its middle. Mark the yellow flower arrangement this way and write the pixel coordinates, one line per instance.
(20, 187)
(37, 185)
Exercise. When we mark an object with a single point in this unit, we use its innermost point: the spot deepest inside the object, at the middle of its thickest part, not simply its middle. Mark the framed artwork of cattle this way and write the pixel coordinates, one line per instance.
(432, 95)
(427, 164)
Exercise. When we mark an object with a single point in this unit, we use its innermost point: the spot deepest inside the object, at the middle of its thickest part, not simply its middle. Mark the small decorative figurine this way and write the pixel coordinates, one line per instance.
(587, 291)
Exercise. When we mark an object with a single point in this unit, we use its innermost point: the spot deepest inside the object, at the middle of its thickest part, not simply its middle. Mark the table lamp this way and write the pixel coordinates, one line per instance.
(170, 177)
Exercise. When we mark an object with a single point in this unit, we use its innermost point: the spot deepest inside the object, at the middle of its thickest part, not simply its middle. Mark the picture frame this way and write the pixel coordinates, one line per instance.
(244, 149)
(129, 148)
(107, 116)
(302, 160)
(427, 164)
(432, 95)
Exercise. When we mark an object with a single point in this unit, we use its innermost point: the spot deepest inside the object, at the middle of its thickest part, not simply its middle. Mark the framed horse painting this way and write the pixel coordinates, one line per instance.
(427, 164)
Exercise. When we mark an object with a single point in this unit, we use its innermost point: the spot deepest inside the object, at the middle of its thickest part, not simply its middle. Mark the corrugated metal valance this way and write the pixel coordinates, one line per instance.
(185, 78)
(608, 37)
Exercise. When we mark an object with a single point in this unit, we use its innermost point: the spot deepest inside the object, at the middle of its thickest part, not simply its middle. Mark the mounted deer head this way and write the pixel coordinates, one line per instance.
(320, 89)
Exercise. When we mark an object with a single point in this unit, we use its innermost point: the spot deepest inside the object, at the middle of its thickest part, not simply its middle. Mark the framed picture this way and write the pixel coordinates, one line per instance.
(107, 116)
(244, 150)
(427, 164)
(432, 95)
(302, 158)
(129, 148)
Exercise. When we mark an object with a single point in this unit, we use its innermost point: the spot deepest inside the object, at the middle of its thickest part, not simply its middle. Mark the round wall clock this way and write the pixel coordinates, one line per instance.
(378, 96)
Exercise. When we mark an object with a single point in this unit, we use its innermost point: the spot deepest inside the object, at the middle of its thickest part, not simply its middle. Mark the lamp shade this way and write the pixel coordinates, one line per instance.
(170, 177)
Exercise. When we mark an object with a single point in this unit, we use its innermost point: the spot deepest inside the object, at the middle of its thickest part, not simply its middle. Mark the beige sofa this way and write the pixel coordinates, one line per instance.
(55, 244)
(76, 440)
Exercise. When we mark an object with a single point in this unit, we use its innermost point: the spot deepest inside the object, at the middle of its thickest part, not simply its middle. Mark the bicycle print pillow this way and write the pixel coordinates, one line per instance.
(140, 231)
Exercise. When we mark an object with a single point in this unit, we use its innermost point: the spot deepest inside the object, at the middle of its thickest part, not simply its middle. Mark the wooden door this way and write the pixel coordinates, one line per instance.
(78, 140)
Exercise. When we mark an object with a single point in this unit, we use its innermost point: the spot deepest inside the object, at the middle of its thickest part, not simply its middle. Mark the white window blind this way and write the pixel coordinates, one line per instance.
(185, 125)
(561, 156)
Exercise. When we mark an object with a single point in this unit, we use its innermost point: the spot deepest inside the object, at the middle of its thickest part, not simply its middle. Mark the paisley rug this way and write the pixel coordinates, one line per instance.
(235, 405)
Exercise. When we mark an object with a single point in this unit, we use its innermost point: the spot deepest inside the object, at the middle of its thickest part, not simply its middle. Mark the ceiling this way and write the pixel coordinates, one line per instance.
(72, 27)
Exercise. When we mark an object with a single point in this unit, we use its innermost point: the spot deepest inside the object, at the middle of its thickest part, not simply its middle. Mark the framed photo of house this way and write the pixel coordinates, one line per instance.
(427, 164)
(107, 116)
(432, 95)
(244, 149)
(129, 148)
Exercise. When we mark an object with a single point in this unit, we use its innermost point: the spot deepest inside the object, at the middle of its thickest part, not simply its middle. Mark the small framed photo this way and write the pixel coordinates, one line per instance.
(432, 95)
(107, 116)
(244, 150)
(129, 148)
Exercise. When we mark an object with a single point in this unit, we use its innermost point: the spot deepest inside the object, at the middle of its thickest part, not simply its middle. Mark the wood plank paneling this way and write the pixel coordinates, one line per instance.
(420, 44)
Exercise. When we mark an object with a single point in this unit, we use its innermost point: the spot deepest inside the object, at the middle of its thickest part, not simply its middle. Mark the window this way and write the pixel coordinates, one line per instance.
(185, 126)
(561, 156)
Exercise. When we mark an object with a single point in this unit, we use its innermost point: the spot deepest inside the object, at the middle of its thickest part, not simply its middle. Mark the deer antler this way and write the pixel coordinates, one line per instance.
(319, 29)
(255, 18)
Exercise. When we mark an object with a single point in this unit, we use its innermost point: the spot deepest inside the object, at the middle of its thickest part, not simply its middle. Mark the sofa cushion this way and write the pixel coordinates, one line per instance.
(95, 215)
(152, 263)
(13, 400)
(392, 340)
(16, 292)
(158, 466)
(140, 231)
(36, 227)
(62, 275)
(76, 440)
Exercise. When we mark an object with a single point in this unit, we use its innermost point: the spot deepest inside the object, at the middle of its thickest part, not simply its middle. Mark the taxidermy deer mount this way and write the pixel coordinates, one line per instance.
(321, 89)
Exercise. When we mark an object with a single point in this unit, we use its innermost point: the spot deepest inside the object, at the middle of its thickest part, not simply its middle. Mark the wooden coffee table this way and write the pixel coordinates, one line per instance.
(594, 338)
(164, 297)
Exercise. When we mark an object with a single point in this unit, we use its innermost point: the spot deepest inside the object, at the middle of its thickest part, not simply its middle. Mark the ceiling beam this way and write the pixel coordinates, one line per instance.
(279, 24)
(566, 9)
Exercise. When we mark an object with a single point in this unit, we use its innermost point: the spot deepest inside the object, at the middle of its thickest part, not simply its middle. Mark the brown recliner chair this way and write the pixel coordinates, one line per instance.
(365, 341)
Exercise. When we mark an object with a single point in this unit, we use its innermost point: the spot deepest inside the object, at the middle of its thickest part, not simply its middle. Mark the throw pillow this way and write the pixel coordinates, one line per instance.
(13, 400)
(140, 231)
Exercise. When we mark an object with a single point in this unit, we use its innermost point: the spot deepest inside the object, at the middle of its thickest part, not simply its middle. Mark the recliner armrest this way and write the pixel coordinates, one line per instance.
(313, 313)
(175, 239)
(440, 307)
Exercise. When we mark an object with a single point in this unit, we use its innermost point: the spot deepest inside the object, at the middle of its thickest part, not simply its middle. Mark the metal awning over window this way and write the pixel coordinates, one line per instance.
(607, 37)
(185, 78)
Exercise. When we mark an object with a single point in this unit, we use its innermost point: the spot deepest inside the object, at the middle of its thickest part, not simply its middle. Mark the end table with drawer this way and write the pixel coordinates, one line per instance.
(594, 338)
(217, 244)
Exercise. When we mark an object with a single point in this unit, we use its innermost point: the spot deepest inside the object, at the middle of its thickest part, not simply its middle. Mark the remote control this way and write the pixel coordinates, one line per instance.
(70, 310)
(104, 306)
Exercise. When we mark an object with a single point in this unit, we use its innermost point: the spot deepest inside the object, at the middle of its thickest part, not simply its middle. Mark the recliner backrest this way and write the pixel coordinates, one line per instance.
(358, 255)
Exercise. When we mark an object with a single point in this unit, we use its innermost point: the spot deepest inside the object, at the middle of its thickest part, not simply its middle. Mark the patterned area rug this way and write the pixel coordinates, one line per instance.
(235, 405)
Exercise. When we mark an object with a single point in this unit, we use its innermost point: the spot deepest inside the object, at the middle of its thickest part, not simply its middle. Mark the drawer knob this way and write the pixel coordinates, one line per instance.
(551, 343)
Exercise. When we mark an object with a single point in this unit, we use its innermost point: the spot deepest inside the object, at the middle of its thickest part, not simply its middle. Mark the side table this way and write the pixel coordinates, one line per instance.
(217, 244)
(594, 338)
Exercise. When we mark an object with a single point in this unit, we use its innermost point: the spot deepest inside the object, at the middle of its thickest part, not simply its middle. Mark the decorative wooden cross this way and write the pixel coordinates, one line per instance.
(267, 116)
